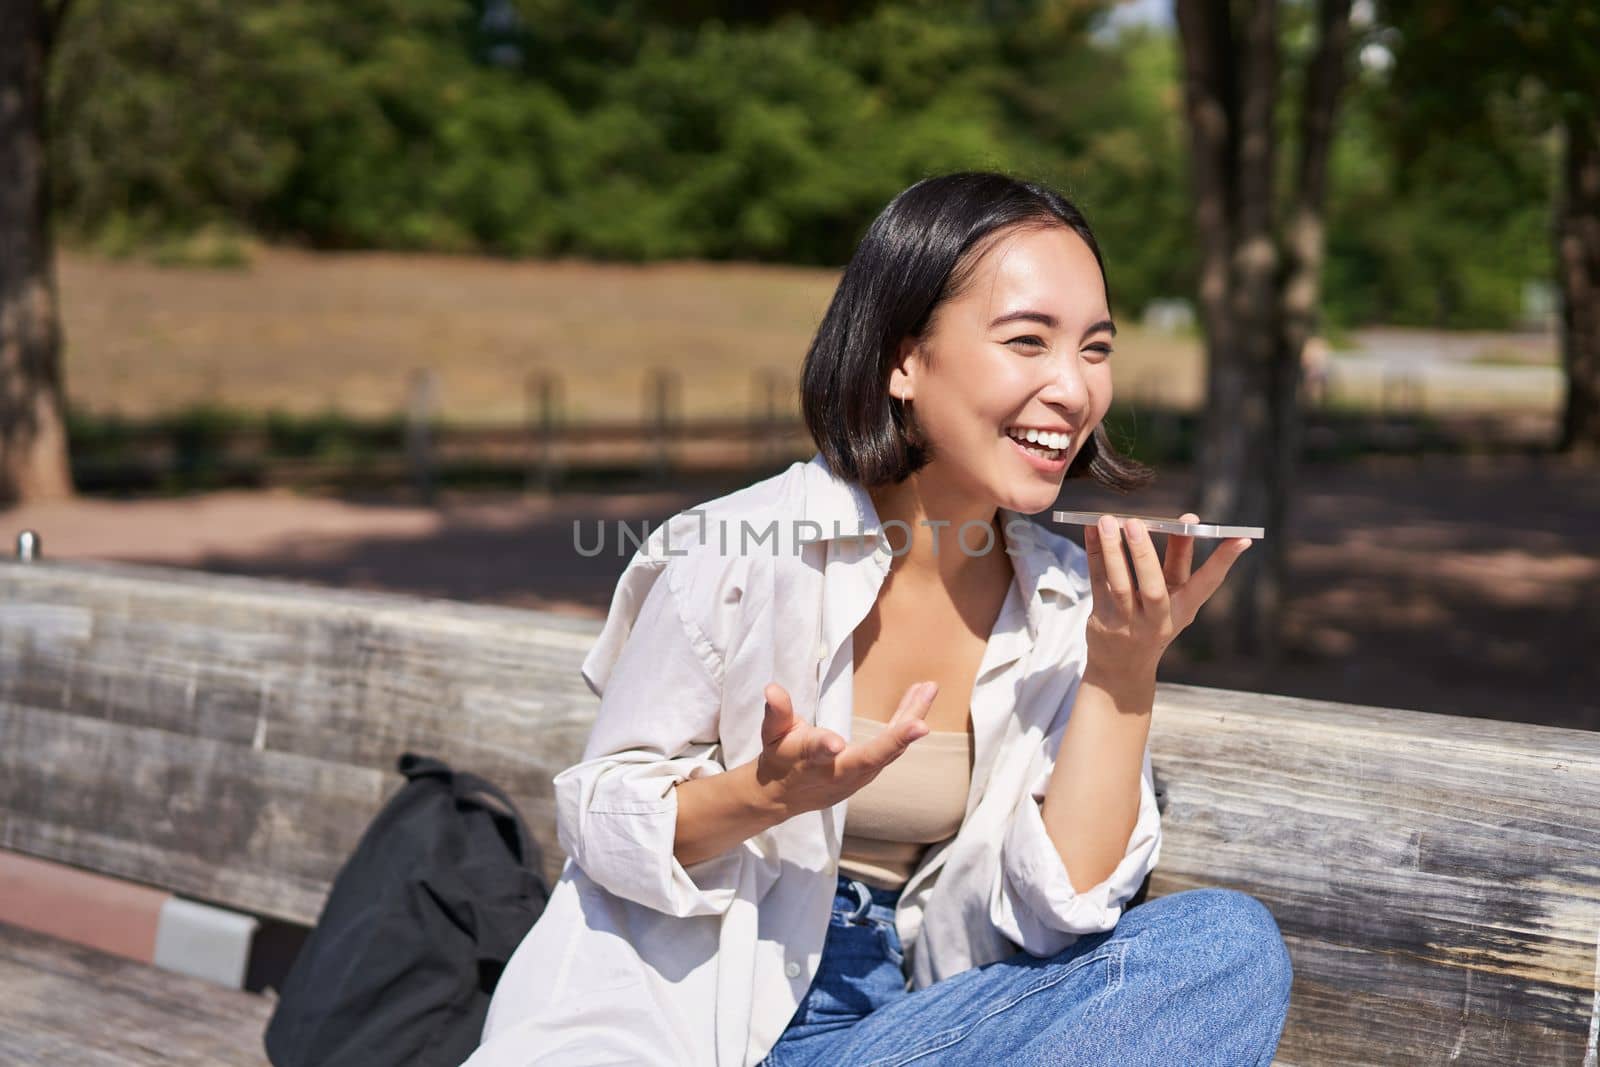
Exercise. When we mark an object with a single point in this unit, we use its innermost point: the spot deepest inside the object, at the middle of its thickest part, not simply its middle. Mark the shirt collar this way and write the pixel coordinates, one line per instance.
(842, 509)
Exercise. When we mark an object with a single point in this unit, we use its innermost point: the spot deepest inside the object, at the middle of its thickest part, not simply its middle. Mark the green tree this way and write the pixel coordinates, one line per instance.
(33, 435)
(1260, 276)
(1439, 232)
(1463, 66)
(604, 129)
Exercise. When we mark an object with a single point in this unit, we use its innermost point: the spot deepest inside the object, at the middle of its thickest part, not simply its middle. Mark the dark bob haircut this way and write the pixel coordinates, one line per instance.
(919, 252)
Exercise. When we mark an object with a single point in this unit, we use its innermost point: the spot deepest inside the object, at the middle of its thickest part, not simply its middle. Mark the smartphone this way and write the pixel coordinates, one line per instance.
(1158, 525)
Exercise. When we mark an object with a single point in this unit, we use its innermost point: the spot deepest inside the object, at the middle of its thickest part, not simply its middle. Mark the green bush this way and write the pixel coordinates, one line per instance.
(611, 129)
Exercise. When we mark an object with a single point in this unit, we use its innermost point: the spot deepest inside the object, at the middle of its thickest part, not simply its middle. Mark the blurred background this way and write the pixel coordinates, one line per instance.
(389, 294)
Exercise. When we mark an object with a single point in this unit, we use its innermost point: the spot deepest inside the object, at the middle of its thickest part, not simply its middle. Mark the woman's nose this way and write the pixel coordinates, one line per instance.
(1067, 385)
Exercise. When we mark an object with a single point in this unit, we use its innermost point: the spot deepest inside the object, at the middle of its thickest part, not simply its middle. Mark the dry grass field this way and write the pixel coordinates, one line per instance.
(304, 332)
(307, 333)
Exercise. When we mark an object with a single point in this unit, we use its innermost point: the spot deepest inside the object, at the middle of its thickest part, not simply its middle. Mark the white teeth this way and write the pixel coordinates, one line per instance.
(1056, 441)
(1040, 443)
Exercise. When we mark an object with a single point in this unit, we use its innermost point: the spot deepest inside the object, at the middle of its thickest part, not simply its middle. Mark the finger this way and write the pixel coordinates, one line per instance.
(1147, 565)
(1118, 581)
(1188, 600)
(875, 754)
(1093, 548)
(915, 704)
(1180, 554)
(822, 745)
(890, 742)
(779, 718)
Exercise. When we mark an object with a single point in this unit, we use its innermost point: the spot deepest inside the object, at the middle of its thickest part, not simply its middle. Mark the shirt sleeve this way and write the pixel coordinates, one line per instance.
(1033, 902)
(658, 725)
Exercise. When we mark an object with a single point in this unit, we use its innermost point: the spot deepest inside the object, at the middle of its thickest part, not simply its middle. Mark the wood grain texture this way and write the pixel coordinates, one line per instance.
(229, 738)
(1437, 879)
(66, 1004)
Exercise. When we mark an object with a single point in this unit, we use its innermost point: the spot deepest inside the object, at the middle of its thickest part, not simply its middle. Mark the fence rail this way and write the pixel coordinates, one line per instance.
(548, 448)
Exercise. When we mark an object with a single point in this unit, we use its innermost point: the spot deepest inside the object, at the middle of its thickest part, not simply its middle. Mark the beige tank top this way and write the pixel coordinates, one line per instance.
(918, 800)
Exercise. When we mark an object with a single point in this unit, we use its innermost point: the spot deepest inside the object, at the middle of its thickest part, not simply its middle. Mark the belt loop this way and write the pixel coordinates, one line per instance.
(864, 896)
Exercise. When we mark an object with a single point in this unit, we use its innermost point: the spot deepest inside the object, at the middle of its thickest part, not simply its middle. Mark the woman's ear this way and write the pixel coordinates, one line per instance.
(902, 376)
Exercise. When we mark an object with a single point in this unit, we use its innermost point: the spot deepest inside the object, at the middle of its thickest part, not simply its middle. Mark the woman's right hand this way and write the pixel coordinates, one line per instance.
(808, 768)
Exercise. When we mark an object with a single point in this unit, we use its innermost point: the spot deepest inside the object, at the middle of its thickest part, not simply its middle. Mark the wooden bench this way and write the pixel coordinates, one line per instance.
(227, 740)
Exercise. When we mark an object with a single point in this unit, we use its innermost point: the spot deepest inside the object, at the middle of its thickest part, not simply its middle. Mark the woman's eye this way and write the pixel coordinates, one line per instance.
(1101, 348)
(1030, 339)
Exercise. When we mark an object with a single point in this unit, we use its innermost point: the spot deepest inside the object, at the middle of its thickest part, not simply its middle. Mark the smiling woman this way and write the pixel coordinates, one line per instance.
(859, 798)
(924, 288)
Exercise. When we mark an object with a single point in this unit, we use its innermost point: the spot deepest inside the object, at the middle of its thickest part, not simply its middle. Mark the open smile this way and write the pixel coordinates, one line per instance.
(1047, 453)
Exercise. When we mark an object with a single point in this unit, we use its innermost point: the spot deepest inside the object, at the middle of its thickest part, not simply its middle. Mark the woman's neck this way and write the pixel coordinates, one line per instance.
(942, 537)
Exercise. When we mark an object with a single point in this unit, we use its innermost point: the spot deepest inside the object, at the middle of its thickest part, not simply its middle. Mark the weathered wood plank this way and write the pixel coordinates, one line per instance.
(255, 830)
(317, 686)
(61, 1003)
(1437, 878)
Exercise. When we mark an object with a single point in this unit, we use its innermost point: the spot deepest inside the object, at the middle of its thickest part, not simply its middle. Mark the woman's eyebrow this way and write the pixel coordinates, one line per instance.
(1050, 322)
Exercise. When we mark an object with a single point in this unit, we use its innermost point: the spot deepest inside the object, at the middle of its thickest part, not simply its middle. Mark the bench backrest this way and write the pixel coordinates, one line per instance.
(1437, 878)
(230, 738)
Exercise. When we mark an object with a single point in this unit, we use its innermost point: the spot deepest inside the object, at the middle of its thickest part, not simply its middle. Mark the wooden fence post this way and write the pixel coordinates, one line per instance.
(419, 436)
(662, 397)
(543, 391)
(763, 418)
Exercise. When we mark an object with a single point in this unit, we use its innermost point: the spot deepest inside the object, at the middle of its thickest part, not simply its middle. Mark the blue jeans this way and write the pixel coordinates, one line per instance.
(1200, 977)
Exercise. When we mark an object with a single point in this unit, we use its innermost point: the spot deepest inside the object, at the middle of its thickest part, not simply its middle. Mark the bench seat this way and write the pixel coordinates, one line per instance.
(64, 1003)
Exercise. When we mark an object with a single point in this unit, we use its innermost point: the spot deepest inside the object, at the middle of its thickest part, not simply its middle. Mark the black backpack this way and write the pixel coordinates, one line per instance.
(420, 922)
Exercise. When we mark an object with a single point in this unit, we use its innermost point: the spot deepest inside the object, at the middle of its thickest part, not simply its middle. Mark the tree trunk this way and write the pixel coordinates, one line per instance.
(1578, 266)
(33, 434)
(1258, 303)
(1300, 298)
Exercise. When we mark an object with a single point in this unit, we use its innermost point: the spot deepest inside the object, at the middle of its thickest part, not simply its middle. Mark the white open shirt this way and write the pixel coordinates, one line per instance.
(638, 959)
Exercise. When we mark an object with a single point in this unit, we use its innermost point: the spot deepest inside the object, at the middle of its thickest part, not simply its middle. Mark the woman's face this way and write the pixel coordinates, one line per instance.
(1027, 345)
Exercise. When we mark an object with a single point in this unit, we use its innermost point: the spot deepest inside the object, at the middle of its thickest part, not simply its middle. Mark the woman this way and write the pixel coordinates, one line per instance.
(882, 864)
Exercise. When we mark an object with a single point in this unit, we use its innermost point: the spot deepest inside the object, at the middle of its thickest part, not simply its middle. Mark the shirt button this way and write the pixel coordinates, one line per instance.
(822, 650)
(792, 969)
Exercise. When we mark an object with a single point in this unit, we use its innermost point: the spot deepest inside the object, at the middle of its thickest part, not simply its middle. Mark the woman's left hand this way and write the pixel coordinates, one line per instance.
(1138, 612)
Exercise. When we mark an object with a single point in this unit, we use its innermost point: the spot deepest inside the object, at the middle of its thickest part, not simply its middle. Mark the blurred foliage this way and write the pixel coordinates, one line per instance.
(1471, 121)
(612, 129)
(1440, 235)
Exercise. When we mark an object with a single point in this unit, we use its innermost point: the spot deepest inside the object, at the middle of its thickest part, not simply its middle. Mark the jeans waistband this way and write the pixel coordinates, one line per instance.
(864, 895)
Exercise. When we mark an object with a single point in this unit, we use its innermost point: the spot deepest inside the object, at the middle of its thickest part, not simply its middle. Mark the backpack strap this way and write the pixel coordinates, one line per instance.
(414, 766)
(464, 785)
(469, 786)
